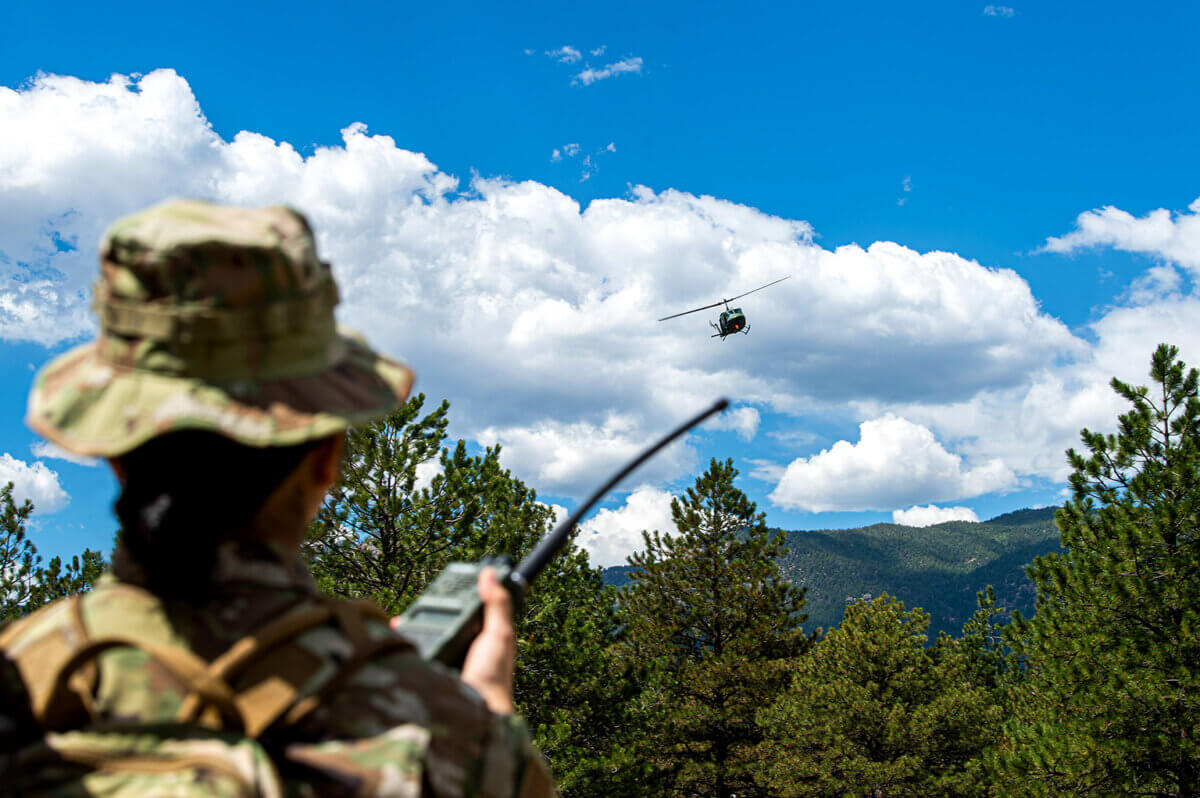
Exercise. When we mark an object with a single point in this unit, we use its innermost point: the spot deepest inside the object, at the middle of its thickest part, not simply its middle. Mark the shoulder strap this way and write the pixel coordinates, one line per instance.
(38, 645)
(257, 681)
(262, 701)
(272, 680)
(59, 707)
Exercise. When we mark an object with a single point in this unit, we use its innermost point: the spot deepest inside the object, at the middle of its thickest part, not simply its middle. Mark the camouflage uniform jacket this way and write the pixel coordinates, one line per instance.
(392, 724)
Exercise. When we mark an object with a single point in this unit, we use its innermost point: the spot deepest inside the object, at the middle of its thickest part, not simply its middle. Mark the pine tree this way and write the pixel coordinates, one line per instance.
(379, 534)
(711, 624)
(18, 556)
(25, 584)
(873, 711)
(982, 644)
(1110, 702)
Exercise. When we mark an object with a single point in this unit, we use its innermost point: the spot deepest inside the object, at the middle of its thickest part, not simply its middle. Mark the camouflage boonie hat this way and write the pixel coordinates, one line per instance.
(213, 318)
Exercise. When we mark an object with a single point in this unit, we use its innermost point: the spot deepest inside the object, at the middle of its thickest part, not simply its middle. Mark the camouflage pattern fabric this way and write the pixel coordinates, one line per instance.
(217, 318)
(396, 726)
(157, 761)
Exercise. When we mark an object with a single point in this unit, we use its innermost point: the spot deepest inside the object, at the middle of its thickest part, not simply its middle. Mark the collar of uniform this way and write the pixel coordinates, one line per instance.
(265, 564)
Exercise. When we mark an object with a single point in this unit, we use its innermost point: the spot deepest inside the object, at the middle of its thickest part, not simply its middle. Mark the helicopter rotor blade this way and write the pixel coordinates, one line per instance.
(696, 310)
(761, 287)
(724, 301)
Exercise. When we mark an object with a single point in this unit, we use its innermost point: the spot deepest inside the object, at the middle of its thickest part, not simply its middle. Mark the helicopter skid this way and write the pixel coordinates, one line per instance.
(723, 336)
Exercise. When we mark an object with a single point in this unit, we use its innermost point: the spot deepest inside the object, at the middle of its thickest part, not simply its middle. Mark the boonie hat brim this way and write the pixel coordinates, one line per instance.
(89, 406)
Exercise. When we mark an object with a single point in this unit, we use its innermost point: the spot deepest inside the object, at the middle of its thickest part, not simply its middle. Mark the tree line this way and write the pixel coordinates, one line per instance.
(702, 676)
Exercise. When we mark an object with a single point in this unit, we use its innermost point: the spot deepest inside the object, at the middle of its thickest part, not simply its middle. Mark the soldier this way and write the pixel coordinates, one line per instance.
(207, 662)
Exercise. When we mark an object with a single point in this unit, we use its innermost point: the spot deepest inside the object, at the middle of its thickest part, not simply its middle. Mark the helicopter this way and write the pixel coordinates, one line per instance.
(731, 320)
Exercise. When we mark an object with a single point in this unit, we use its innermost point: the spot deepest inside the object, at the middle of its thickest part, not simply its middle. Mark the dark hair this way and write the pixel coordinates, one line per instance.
(185, 493)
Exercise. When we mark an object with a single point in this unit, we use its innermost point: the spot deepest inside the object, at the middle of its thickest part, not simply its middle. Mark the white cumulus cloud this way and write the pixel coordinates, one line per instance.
(533, 315)
(62, 182)
(932, 514)
(1160, 233)
(894, 463)
(1030, 425)
(610, 536)
(570, 457)
(33, 481)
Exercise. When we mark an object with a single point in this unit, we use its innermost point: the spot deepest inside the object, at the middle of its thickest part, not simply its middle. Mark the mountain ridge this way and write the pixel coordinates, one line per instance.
(938, 568)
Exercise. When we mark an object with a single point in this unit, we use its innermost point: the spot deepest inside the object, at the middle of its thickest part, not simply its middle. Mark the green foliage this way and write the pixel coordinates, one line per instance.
(573, 689)
(380, 535)
(872, 710)
(698, 680)
(1110, 702)
(25, 584)
(982, 643)
(711, 625)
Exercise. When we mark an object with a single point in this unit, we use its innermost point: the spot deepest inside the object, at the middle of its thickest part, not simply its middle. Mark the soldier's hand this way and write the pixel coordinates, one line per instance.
(491, 659)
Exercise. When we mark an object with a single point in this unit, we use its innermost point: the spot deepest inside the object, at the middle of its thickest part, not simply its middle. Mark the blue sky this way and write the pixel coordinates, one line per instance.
(974, 129)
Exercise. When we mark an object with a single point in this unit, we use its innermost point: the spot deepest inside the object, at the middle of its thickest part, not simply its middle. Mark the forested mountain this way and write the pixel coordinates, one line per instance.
(937, 568)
